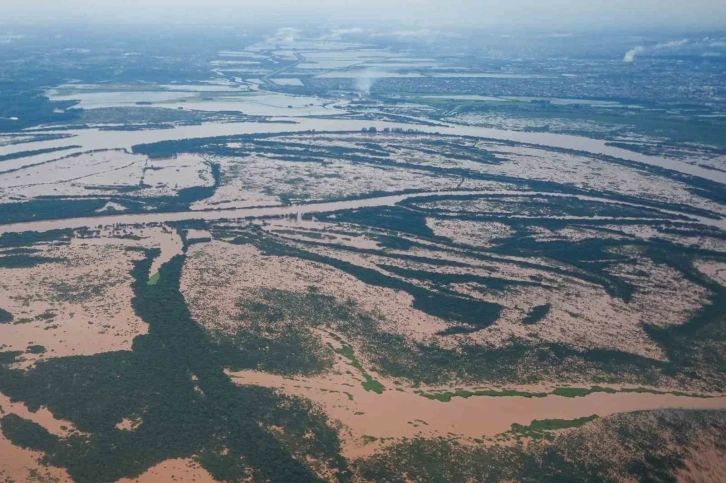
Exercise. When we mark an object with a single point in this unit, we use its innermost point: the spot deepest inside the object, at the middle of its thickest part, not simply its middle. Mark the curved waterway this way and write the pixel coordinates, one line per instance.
(92, 139)
(292, 210)
(389, 415)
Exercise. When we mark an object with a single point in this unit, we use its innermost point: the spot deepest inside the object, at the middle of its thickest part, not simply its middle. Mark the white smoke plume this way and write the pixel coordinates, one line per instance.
(365, 81)
(635, 51)
(630, 54)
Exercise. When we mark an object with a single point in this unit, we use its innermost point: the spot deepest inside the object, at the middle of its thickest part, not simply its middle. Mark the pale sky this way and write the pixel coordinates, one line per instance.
(576, 14)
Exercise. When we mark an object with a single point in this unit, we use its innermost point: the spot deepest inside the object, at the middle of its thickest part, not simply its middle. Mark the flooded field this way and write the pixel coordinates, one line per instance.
(201, 98)
(339, 256)
(93, 139)
(179, 471)
(264, 234)
(403, 414)
(244, 213)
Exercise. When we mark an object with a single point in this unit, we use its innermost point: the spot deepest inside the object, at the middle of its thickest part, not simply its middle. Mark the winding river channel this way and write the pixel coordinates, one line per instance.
(293, 210)
(386, 413)
(94, 139)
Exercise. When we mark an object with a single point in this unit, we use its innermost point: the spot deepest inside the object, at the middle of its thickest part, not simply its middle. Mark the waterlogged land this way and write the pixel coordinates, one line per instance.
(90, 140)
(373, 421)
(237, 279)
(393, 289)
(286, 323)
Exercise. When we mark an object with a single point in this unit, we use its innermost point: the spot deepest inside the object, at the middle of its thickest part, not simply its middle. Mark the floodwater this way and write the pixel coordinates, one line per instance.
(273, 211)
(102, 321)
(297, 210)
(176, 470)
(97, 100)
(397, 414)
(167, 240)
(242, 213)
(170, 244)
(393, 413)
(94, 139)
(205, 98)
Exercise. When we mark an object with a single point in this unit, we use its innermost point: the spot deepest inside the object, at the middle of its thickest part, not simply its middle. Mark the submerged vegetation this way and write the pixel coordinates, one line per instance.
(570, 456)
(506, 269)
(537, 314)
(392, 355)
(5, 317)
(154, 279)
(222, 424)
(447, 396)
(370, 384)
(540, 428)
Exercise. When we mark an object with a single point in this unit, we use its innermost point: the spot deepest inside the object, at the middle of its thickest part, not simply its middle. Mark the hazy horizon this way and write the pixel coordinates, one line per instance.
(488, 14)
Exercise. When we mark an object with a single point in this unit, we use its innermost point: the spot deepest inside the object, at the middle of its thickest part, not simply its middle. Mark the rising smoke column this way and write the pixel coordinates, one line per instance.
(630, 54)
(364, 82)
(673, 44)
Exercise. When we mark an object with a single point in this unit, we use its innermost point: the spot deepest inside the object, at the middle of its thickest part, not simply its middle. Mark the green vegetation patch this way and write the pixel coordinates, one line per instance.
(82, 289)
(538, 428)
(276, 332)
(9, 357)
(284, 350)
(27, 434)
(581, 391)
(154, 279)
(36, 349)
(310, 308)
(370, 384)
(537, 314)
(6, 317)
(448, 395)
(368, 439)
(49, 209)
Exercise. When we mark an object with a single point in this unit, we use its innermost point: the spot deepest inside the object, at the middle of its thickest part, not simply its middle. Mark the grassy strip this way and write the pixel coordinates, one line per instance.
(581, 391)
(446, 396)
(37, 152)
(538, 428)
(370, 384)
(154, 279)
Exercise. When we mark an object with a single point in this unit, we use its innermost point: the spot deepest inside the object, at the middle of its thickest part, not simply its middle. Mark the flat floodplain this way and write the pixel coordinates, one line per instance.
(309, 257)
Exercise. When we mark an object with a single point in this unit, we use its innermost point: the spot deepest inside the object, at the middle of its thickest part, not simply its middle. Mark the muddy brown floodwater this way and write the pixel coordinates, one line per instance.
(176, 470)
(399, 412)
(91, 139)
(18, 464)
(280, 211)
(396, 413)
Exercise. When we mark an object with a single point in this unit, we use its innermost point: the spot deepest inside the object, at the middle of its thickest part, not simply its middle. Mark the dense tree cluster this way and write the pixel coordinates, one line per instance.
(173, 381)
